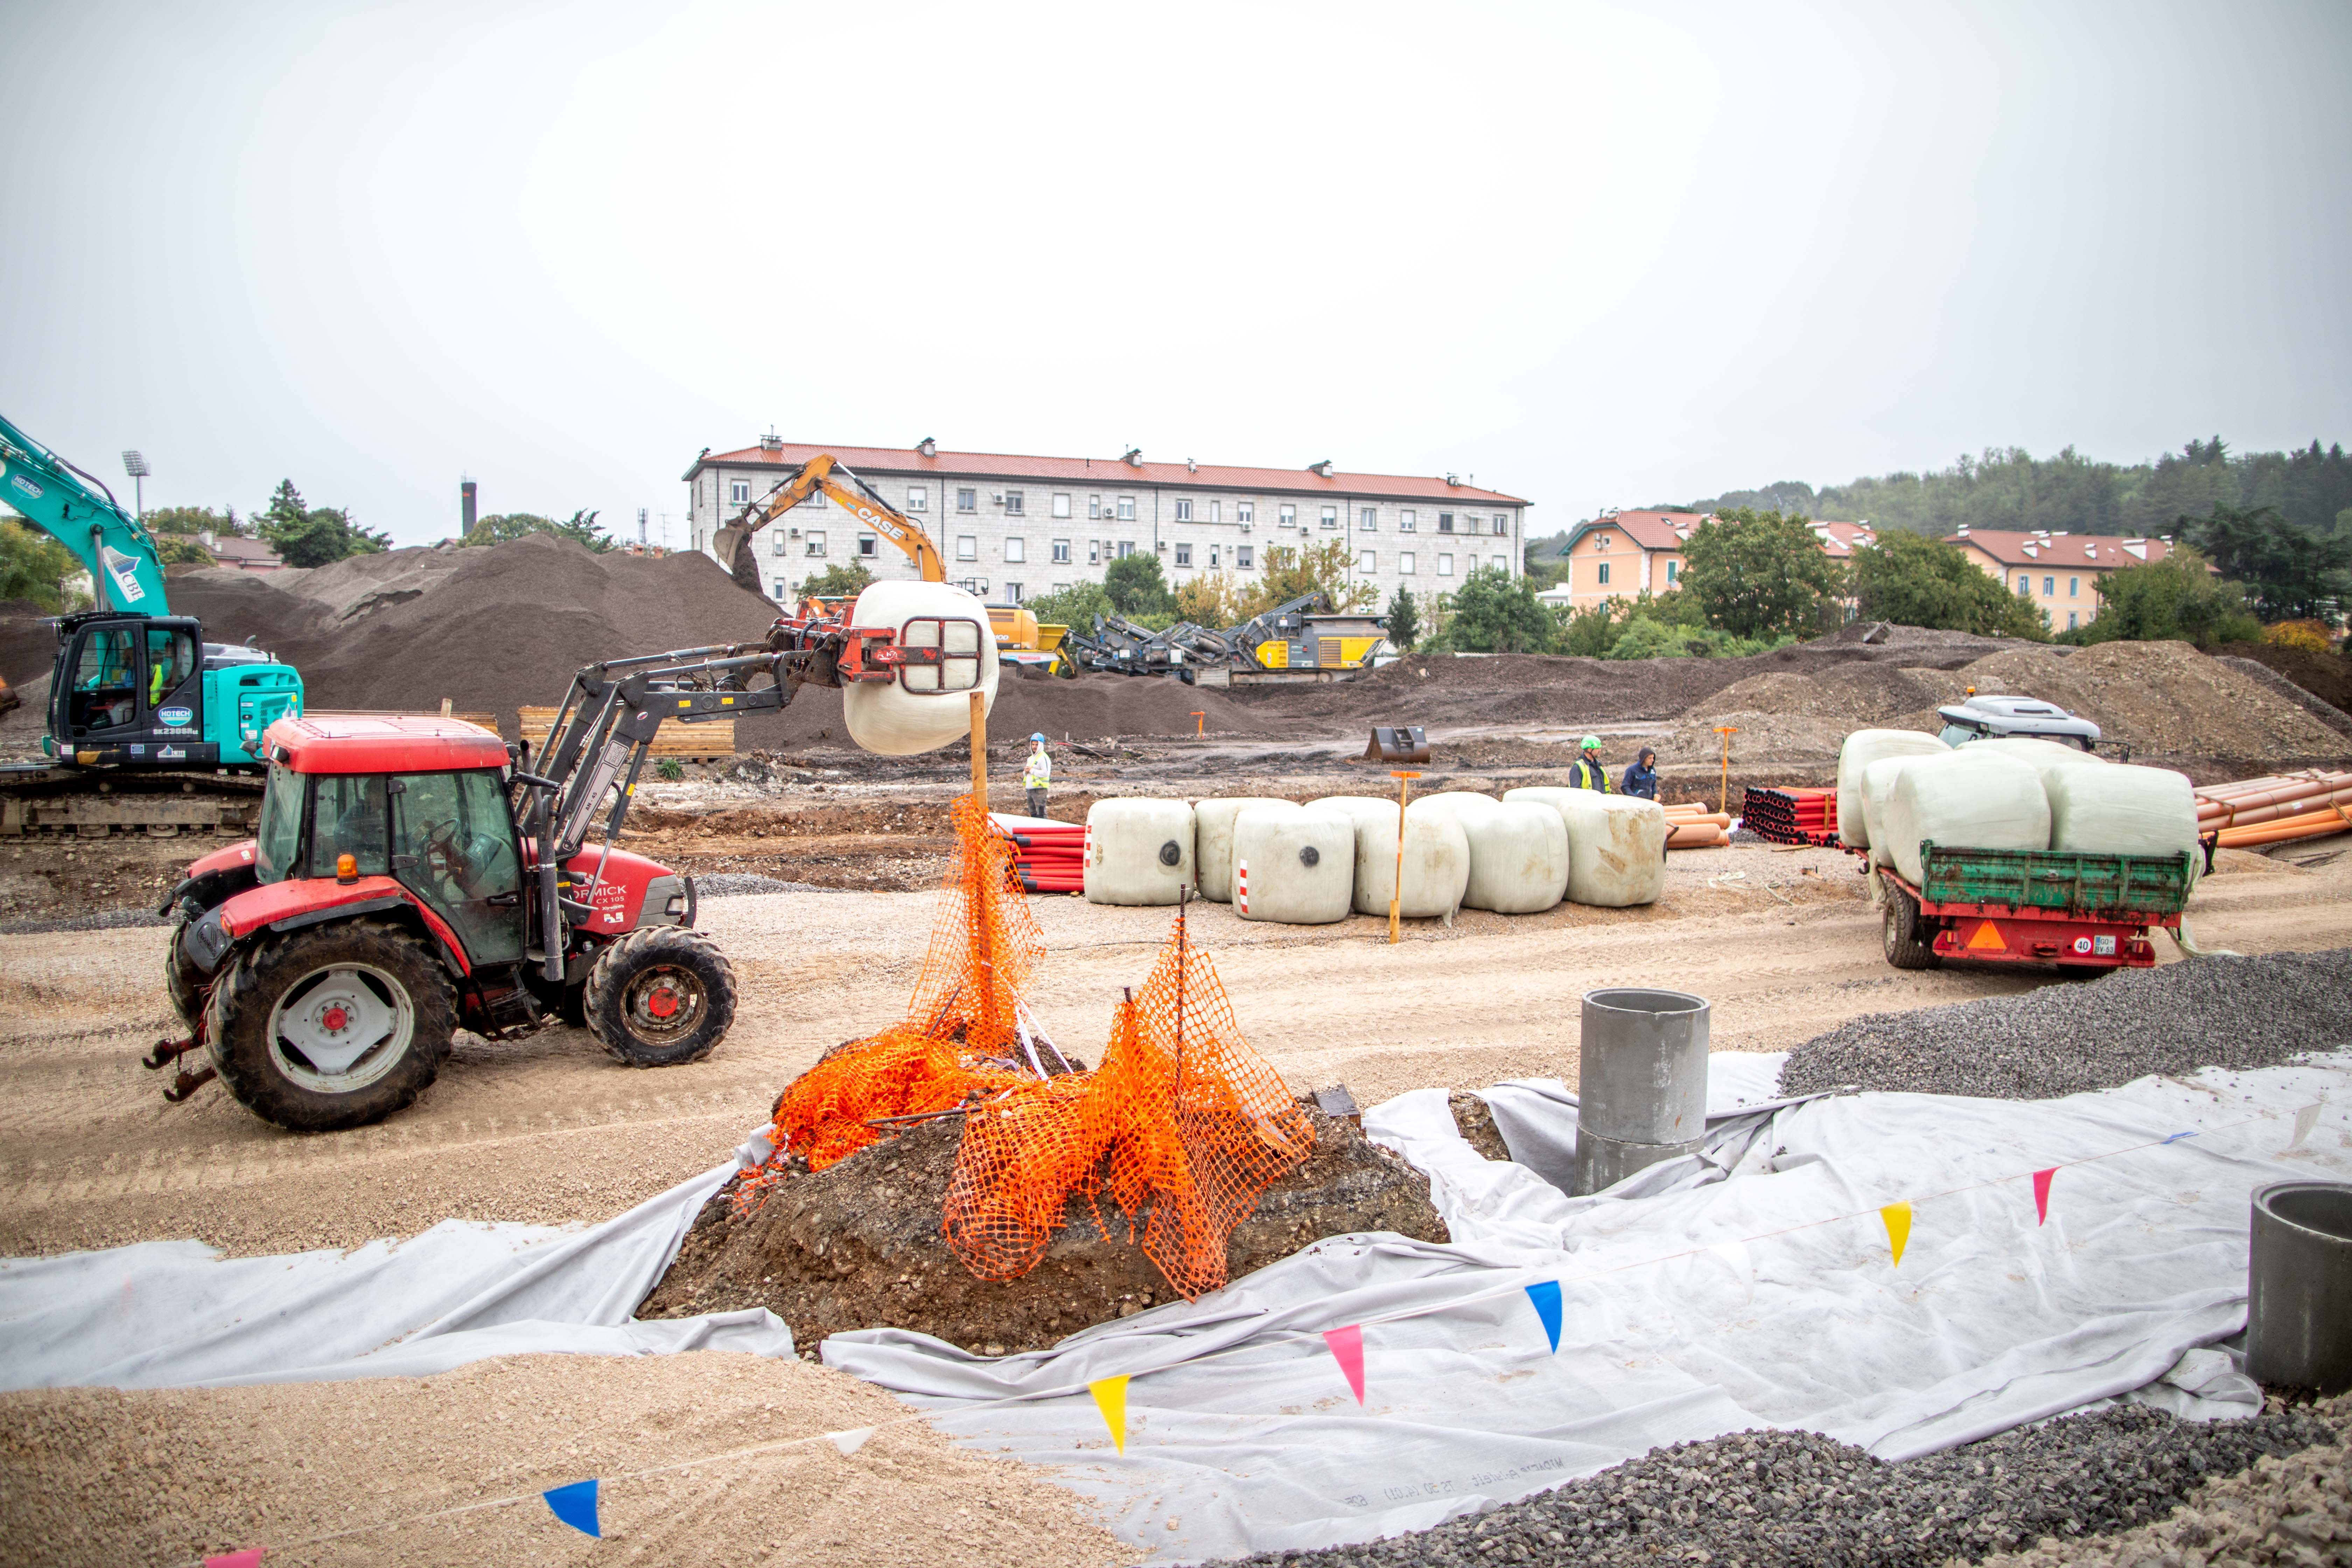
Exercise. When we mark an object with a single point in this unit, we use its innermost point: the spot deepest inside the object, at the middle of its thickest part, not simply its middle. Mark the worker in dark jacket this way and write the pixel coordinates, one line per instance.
(1589, 772)
(1642, 778)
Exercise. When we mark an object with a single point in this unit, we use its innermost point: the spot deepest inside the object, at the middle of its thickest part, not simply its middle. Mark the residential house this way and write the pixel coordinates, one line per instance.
(2056, 571)
(1622, 555)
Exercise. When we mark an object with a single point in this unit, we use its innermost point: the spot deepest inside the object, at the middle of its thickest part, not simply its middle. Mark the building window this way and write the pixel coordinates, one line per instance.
(1126, 548)
(738, 490)
(1330, 517)
(1368, 518)
(1367, 562)
(1244, 512)
(1016, 549)
(1127, 508)
(1094, 552)
(781, 589)
(1285, 516)
(1405, 564)
(815, 539)
(967, 501)
(1244, 556)
(2050, 587)
(967, 547)
(1184, 555)
(1013, 502)
(1213, 555)
(1061, 503)
(2024, 586)
(1674, 570)
(919, 497)
(1061, 552)
(1502, 523)
(2073, 616)
(1445, 525)
(1405, 522)
(1602, 576)
(867, 544)
(1216, 511)
(779, 536)
(1094, 506)
(1184, 510)
(2073, 590)
(1444, 563)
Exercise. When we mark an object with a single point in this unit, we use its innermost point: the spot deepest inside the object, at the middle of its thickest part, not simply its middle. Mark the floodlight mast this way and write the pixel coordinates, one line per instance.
(136, 466)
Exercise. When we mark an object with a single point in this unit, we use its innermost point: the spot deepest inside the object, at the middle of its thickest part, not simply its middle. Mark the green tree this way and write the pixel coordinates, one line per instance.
(1137, 587)
(2288, 574)
(304, 535)
(192, 520)
(1494, 612)
(501, 528)
(839, 582)
(1075, 605)
(1915, 580)
(1591, 631)
(1209, 600)
(2176, 599)
(1760, 574)
(181, 550)
(1404, 621)
(1293, 574)
(33, 566)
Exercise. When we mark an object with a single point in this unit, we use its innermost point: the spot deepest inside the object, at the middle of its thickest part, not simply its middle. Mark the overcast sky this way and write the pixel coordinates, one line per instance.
(1594, 254)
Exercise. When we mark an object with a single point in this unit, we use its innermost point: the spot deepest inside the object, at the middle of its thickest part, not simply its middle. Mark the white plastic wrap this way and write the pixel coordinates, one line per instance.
(2122, 810)
(1139, 851)
(1877, 787)
(1518, 853)
(2046, 758)
(1971, 799)
(1436, 862)
(1356, 808)
(1213, 841)
(1616, 844)
(1863, 748)
(896, 718)
(1293, 867)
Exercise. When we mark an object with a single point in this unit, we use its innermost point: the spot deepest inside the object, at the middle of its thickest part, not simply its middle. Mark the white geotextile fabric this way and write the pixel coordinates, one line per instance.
(1717, 1305)
(171, 1313)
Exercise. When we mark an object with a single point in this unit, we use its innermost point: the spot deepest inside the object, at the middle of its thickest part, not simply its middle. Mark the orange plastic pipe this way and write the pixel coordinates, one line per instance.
(1696, 835)
(2306, 827)
(2272, 811)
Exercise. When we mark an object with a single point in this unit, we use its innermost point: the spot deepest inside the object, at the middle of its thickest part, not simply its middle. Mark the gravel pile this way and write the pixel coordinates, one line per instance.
(742, 883)
(93, 919)
(1768, 1499)
(2064, 1039)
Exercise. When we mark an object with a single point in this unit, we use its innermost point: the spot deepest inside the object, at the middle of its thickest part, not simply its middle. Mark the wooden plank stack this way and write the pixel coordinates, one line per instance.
(1047, 856)
(2252, 812)
(1790, 816)
(711, 741)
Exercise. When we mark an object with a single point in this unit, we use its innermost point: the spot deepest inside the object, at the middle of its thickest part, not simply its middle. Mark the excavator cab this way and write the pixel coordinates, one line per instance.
(128, 681)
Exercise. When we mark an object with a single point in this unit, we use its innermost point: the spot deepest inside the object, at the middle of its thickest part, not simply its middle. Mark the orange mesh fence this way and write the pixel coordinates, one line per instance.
(1182, 1125)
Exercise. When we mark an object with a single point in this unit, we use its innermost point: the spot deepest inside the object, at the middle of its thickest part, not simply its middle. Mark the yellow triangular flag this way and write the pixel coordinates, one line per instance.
(1110, 1398)
(1898, 1228)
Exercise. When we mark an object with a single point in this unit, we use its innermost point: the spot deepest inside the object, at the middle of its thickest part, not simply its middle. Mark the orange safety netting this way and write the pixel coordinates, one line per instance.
(1184, 1125)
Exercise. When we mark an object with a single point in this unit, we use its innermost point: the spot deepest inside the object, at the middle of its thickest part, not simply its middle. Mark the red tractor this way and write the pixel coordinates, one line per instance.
(412, 878)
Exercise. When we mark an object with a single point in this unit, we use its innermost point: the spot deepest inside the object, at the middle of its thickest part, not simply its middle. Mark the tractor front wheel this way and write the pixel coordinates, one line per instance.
(333, 1026)
(182, 981)
(661, 996)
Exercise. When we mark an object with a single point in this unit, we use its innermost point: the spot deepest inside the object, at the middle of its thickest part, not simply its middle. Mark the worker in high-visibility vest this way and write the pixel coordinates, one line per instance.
(1589, 772)
(1038, 777)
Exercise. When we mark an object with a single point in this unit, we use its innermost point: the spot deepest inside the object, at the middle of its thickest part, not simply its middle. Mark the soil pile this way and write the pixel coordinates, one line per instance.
(859, 1244)
(2327, 676)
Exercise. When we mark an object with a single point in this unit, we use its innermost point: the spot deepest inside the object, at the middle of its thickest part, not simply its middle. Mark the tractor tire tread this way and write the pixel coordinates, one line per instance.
(608, 978)
(1906, 946)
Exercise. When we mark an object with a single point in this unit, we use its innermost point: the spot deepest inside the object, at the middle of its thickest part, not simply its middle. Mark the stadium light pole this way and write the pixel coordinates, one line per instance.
(136, 466)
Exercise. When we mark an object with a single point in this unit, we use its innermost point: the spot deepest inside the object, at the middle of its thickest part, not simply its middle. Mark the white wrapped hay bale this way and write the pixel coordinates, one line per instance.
(1358, 808)
(2117, 809)
(1435, 860)
(1518, 853)
(1293, 867)
(1213, 840)
(1877, 788)
(1138, 852)
(929, 705)
(2047, 758)
(1971, 799)
(1863, 748)
(1616, 844)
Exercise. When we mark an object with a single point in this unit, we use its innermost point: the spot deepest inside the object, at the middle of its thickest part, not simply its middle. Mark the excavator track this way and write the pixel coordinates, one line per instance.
(85, 803)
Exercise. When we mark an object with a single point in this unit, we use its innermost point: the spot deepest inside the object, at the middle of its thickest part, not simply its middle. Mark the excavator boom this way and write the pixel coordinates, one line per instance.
(823, 475)
(79, 511)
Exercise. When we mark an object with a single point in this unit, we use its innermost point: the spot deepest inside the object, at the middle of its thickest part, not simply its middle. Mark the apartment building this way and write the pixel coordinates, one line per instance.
(1014, 527)
(1622, 555)
(2057, 571)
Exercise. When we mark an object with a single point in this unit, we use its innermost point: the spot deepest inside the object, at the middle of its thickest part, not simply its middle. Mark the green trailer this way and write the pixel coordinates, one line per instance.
(2035, 906)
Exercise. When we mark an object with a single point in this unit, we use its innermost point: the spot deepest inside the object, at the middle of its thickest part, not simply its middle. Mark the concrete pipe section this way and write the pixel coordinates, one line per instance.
(2299, 1287)
(1641, 1083)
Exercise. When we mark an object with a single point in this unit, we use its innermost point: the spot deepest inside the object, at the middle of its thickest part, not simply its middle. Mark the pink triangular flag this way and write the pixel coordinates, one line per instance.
(1347, 1348)
(249, 1558)
(2041, 1195)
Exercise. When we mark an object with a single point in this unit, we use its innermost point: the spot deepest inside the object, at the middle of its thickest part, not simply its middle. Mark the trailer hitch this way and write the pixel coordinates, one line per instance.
(184, 1082)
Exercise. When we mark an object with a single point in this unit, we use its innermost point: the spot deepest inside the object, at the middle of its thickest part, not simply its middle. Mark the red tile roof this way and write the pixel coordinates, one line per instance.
(1839, 539)
(1111, 472)
(1647, 530)
(2090, 552)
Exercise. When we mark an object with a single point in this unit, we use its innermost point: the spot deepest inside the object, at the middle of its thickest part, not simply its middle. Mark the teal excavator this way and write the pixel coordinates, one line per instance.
(149, 726)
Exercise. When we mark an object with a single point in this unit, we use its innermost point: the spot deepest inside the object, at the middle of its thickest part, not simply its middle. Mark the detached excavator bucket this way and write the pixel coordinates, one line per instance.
(1397, 743)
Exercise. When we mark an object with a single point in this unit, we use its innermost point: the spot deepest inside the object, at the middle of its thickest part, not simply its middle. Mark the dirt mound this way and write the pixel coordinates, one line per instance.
(2327, 676)
(1860, 694)
(2166, 700)
(859, 1244)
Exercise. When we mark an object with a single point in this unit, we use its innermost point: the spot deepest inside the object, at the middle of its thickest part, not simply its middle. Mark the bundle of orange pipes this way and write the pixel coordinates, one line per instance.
(2252, 812)
(1692, 827)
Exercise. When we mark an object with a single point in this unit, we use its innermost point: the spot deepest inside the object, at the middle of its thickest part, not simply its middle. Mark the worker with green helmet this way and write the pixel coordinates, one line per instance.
(1589, 772)
(1038, 776)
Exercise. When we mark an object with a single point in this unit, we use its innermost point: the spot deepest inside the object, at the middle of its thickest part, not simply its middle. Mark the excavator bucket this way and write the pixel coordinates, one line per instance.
(1397, 743)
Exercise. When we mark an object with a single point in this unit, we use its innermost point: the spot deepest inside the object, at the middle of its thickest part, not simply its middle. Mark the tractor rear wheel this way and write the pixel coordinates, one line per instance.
(182, 981)
(1910, 944)
(661, 996)
(333, 1026)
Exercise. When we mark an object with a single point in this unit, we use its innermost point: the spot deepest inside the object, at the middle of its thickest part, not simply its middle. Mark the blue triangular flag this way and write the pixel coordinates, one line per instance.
(1545, 1294)
(575, 1505)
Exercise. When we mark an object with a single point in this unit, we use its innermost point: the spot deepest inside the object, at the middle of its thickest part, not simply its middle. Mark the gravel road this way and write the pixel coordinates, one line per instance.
(2063, 1040)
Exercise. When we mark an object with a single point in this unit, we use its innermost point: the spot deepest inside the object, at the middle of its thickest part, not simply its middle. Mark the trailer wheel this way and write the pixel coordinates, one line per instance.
(1909, 945)
(332, 1027)
(182, 981)
(661, 996)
